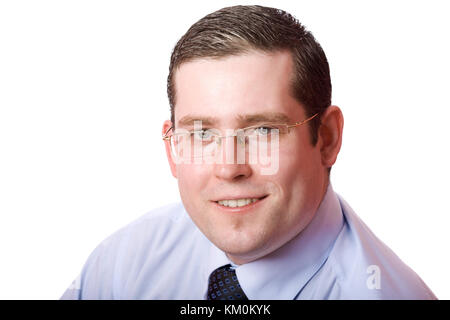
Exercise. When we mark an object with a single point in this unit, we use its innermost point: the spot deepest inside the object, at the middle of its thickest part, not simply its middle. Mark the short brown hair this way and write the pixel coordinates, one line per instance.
(238, 29)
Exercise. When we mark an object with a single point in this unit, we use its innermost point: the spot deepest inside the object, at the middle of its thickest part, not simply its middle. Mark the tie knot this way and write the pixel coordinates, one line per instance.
(224, 285)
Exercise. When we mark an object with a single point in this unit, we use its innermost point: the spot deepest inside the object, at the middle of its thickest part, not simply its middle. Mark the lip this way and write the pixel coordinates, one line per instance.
(241, 197)
(243, 209)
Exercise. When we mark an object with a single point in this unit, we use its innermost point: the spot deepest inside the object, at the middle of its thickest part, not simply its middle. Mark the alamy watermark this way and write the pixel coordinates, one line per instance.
(373, 282)
(262, 150)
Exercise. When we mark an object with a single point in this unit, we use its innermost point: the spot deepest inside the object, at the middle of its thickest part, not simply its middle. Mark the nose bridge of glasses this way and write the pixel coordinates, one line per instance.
(230, 151)
(237, 135)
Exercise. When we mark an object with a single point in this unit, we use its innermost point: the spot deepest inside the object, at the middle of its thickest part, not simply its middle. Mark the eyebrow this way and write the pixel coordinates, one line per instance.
(273, 117)
(244, 119)
(189, 120)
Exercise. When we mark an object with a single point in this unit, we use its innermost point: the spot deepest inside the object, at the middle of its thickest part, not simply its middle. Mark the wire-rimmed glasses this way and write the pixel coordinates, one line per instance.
(205, 143)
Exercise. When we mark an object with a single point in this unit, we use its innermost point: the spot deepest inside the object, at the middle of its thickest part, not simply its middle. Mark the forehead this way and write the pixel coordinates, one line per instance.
(236, 87)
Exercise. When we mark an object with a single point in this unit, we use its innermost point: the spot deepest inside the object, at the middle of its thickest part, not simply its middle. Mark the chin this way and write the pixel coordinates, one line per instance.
(241, 245)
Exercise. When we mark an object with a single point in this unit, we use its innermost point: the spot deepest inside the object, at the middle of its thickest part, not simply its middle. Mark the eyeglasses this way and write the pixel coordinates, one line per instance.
(206, 143)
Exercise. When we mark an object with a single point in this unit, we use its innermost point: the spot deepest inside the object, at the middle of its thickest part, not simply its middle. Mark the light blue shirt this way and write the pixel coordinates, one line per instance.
(163, 255)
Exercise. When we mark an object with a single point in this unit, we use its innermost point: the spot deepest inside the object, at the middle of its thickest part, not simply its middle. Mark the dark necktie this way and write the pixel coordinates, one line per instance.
(224, 285)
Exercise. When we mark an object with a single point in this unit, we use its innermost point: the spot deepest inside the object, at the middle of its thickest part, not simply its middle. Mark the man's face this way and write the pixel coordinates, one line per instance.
(226, 91)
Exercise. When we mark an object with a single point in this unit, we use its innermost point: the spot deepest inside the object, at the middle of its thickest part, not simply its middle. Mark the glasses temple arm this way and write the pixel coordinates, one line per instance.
(303, 122)
(165, 136)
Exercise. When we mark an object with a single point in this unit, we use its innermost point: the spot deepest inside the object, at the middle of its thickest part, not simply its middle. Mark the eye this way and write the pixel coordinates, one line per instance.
(263, 130)
(202, 135)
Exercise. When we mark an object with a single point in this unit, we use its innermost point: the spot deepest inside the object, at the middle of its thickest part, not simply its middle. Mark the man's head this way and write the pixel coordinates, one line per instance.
(239, 29)
(242, 66)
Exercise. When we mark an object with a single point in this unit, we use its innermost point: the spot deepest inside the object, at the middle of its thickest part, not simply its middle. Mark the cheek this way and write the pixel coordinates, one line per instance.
(298, 171)
(293, 165)
(192, 181)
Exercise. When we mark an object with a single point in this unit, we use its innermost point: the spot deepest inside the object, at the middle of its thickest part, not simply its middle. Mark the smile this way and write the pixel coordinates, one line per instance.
(237, 203)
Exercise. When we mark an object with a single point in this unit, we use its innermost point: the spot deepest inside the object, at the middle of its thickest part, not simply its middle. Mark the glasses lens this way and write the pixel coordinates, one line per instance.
(252, 141)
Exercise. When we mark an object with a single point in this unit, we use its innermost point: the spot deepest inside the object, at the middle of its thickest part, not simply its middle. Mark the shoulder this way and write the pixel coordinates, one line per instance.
(122, 256)
(155, 232)
(155, 226)
(366, 268)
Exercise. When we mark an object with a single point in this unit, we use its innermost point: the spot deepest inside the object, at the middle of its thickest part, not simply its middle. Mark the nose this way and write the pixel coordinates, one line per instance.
(232, 172)
(232, 166)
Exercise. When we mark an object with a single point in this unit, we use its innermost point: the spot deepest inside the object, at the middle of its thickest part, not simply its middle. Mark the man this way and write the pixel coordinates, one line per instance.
(252, 224)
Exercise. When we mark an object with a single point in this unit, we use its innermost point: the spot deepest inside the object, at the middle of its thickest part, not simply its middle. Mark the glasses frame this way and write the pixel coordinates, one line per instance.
(167, 136)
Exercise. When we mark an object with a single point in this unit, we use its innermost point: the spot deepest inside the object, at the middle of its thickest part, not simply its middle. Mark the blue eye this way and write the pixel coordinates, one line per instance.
(202, 135)
(263, 131)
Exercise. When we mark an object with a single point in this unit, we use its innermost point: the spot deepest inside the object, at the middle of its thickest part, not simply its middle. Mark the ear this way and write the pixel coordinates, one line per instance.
(173, 167)
(330, 135)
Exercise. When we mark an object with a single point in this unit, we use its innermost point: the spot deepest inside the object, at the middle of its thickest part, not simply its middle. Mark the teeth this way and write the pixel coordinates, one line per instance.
(237, 203)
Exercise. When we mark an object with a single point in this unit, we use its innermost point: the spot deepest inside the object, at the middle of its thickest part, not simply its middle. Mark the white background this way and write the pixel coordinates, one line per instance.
(83, 98)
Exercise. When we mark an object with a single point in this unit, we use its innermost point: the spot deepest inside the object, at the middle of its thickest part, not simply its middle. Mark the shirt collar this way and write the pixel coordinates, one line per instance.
(283, 273)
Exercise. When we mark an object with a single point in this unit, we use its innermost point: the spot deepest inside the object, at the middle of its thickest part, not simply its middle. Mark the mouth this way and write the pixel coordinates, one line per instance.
(239, 203)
